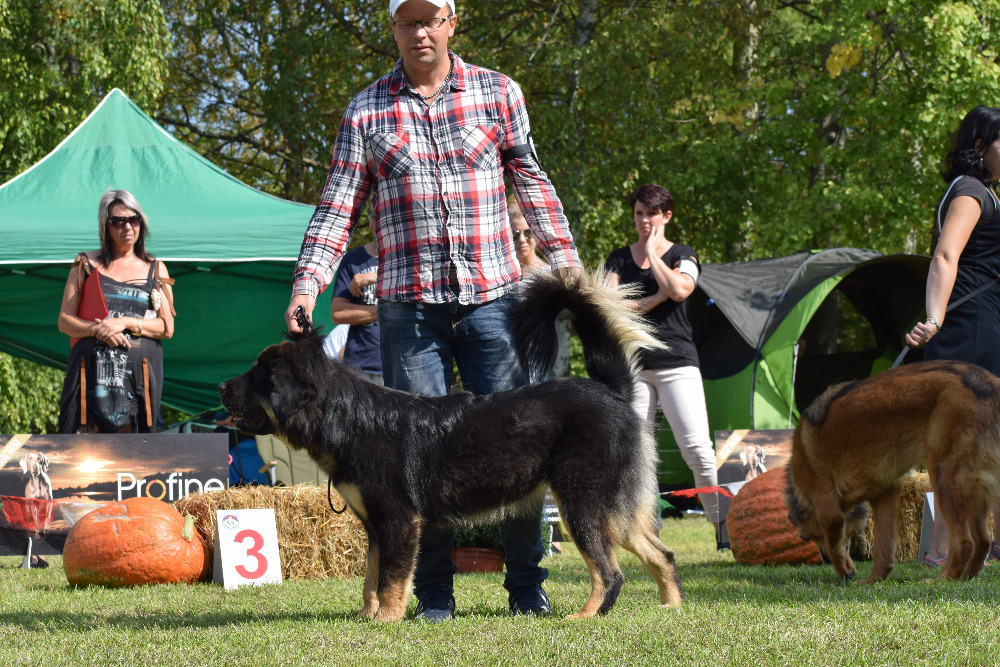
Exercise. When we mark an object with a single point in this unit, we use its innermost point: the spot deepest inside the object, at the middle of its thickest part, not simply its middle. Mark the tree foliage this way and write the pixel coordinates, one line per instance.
(779, 125)
(29, 396)
(58, 58)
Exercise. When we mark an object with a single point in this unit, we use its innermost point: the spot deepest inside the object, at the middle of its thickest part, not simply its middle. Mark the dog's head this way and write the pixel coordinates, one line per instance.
(34, 463)
(752, 455)
(284, 381)
(802, 514)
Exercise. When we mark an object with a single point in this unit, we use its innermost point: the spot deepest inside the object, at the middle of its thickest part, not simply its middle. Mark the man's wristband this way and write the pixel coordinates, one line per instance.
(931, 320)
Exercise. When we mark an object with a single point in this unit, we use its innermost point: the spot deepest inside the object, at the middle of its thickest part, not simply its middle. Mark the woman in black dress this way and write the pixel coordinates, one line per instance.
(965, 260)
(114, 377)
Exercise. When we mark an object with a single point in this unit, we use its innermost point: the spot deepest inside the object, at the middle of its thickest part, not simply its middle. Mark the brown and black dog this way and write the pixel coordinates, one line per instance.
(855, 442)
(403, 461)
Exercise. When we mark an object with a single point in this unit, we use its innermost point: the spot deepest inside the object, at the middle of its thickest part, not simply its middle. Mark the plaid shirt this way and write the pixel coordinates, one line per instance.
(436, 180)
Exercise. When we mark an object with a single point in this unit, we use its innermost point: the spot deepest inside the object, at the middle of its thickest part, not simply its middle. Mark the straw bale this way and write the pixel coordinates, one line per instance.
(911, 510)
(313, 541)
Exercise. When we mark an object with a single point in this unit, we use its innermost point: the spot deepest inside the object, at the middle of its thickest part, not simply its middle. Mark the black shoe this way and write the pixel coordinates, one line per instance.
(529, 601)
(435, 606)
(39, 562)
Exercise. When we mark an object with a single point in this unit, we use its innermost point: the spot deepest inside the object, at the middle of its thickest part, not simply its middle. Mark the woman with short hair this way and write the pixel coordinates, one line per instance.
(667, 273)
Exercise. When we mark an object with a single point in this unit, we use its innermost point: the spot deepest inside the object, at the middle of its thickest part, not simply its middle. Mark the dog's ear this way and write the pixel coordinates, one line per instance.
(24, 464)
(43, 461)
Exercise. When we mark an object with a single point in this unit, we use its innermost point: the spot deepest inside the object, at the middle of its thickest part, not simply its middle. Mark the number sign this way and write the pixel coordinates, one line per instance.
(246, 548)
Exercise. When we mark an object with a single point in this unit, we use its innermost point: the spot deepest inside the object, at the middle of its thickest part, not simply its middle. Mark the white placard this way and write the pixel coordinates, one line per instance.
(246, 548)
(926, 527)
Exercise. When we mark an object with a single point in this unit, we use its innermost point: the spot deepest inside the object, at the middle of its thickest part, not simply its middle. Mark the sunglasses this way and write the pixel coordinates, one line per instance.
(118, 222)
(518, 233)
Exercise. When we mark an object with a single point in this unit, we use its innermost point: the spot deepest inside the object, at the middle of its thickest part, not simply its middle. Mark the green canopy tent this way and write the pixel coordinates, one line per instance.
(230, 247)
(772, 334)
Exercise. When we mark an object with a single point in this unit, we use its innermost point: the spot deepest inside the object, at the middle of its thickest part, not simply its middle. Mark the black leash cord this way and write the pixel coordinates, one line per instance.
(329, 497)
(981, 288)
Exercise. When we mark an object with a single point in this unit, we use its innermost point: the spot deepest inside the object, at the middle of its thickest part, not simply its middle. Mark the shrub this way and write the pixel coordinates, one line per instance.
(29, 396)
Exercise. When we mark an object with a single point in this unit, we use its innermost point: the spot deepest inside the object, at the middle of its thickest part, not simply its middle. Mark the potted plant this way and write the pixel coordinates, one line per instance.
(478, 548)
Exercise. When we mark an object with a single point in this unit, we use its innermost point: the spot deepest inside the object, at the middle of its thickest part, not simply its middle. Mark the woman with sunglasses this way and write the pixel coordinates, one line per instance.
(524, 242)
(116, 308)
(667, 273)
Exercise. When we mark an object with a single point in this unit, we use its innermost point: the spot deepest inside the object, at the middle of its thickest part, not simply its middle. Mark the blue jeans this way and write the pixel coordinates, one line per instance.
(419, 343)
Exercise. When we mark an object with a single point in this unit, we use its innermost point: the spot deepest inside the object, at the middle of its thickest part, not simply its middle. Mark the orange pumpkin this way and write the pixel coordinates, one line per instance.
(759, 530)
(133, 542)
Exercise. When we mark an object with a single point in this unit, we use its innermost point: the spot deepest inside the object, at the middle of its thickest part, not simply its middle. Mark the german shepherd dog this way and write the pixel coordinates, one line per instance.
(855, 442)
(403, 461)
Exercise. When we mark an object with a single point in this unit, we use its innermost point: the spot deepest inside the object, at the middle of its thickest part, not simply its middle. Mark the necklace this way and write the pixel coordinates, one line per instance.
(444, 83)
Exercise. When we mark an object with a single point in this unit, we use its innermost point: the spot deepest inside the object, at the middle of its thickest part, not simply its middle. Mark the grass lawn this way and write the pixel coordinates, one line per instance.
(733, 615)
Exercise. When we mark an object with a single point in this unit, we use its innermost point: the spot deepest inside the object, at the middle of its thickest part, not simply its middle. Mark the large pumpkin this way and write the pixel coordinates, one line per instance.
(759, 530)
(133, 542)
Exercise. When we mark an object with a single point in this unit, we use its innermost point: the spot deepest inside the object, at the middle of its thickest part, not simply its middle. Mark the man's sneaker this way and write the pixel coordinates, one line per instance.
(529, 600)
(435, 606)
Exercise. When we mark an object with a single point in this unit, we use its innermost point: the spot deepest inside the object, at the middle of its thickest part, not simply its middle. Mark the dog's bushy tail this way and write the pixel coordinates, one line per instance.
(612, 334)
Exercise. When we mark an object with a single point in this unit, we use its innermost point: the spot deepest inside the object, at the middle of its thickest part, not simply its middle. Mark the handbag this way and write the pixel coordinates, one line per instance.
(92, 305)
(111, 409)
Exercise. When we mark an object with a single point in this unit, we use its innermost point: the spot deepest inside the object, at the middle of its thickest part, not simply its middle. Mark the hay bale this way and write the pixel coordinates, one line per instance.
(313, 541)
(911, 510)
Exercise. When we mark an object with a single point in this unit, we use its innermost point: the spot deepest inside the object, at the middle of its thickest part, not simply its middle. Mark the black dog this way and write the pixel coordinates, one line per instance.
(402, 461)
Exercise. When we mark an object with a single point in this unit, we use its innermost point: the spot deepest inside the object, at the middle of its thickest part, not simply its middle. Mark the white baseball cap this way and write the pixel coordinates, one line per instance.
(395, 4)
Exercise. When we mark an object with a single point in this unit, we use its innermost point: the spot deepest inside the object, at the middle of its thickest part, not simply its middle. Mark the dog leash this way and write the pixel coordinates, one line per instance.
(981, 288)
(303, 321)
(329, 497)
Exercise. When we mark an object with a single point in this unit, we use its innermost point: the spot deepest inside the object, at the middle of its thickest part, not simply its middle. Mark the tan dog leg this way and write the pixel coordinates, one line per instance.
(832, 523)
(370, 596)
(658, 561)
(598, 589)
(885, 508)
(955, 508)
(981, 538)
(392, 600)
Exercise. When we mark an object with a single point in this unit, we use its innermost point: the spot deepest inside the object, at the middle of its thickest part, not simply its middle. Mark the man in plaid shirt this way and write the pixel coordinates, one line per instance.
(428, 147)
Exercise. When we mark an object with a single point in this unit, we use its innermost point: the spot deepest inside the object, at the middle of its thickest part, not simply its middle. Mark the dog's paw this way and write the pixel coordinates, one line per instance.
(368, 612)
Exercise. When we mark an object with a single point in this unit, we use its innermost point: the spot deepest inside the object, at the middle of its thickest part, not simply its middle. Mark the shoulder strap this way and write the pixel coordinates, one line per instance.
(84, 267)
(165, 286)
(943, 200)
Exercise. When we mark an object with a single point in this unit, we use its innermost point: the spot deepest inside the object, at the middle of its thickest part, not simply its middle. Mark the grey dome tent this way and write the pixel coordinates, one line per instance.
(772, 334)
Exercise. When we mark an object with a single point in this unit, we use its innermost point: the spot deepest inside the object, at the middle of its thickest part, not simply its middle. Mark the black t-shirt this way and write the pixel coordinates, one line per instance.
(669, 318)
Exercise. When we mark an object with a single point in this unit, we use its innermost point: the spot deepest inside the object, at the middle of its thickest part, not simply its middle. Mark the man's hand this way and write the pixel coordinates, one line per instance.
(308, 304)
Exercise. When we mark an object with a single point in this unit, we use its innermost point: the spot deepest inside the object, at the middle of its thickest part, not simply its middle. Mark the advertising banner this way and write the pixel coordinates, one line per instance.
(742, 455)
(47, 482)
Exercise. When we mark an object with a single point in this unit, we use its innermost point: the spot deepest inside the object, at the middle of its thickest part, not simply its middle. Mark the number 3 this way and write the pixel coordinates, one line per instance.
(254, 551)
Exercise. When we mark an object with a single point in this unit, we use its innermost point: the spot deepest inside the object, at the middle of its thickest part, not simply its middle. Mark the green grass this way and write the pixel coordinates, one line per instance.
(733, 615)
